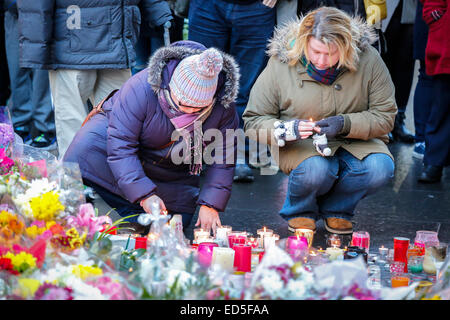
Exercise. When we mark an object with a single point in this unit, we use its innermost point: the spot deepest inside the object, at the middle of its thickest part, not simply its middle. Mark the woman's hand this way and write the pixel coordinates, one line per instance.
(147, 203)
(305, 128)
(208, 218)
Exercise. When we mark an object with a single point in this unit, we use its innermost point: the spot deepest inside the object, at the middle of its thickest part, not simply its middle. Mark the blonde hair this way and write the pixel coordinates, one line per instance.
(329, 25)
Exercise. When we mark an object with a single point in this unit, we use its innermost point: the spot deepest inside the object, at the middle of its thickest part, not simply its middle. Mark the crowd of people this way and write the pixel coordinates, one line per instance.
(98, 83)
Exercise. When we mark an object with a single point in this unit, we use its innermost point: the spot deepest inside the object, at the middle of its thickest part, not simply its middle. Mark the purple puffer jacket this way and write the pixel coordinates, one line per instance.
(123, 150)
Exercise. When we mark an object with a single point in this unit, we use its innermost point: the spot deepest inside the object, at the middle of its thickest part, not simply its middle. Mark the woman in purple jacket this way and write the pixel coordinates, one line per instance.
(127, 153)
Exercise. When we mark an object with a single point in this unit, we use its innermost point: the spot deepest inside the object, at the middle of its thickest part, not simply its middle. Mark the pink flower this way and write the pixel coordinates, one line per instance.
(86, 219)
(113, 289)
(5, 162)
(46, 235)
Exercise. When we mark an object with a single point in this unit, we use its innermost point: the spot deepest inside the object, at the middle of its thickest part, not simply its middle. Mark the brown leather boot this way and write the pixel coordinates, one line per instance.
(301, 223)
(338, 226)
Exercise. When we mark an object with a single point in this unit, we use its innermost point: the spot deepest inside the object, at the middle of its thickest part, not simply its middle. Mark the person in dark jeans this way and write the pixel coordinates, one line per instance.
(400, 62)
(242, 29)
(31, 105)
(5, 92)
(423, 95)
(437, 55)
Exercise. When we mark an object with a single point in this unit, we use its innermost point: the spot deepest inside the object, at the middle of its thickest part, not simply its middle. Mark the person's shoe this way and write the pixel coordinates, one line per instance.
(90, 194)
(419, 150)
(400, 133)
(338, 226)
(24, 133)
(430, 174)
(243, 173)
(44, 141)
(301, 223)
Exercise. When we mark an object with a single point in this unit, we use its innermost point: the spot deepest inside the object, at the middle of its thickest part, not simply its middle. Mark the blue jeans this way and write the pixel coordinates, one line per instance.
(30, 88)
(423, 102)
(331, 187)
(125, 208)
(145, 47)
(240, 30)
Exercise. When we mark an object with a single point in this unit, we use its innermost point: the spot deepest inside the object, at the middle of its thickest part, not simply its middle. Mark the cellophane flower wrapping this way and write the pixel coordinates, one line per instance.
(8, 138)
(279, 277)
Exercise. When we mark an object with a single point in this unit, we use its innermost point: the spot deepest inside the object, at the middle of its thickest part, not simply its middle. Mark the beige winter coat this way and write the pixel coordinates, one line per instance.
(365, 97)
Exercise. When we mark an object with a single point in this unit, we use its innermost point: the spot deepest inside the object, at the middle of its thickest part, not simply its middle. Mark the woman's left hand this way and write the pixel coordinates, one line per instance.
(208, 218)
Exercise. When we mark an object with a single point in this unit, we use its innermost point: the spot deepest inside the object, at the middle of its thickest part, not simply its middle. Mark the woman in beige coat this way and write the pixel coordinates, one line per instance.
(324, 78)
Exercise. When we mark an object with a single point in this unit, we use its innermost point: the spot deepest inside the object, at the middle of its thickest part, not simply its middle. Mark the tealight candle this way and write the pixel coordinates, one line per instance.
(383, 253)
(262, 233)
(224, 257)
(334, 240)
(335, 253)
(200, 233)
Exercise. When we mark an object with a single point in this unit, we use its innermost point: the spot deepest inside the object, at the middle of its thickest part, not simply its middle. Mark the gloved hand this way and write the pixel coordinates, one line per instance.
(331, 126)
(292, 130)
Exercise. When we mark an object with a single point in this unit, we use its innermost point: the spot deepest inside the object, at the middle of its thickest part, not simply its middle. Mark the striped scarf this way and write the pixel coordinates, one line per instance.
(327, 76)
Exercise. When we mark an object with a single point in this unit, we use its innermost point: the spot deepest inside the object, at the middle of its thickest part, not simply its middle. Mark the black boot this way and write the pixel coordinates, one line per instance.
(430, 174)
(400, 133)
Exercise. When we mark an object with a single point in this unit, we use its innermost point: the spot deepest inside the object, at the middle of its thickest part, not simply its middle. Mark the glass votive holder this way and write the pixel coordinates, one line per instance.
(334, 240)
(399, 279)
(222, 234)
(253, 242)
(361, 239)
(415, 264)
(439, 251)
(205, 253)
(236, 237)
(201, 233)
(307, 233)
(397, 267)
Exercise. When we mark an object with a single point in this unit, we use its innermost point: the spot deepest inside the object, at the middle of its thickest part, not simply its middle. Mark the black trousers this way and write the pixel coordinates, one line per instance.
(399, 57)
(437, 134)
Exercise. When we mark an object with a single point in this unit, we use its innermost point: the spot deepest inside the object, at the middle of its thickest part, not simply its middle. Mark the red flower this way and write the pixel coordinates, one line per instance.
(5, 264)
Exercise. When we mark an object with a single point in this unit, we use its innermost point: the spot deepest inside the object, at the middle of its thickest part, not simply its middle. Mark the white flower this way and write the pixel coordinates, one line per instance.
(184, 278)
(272, 284)
(296, 289)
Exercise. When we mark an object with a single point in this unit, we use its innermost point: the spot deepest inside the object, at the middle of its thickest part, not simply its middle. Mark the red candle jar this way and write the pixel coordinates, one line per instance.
(242, 257)
(361, 239)
(236, 238)
(205, 252)
(296, 243)
(401, 246)
(140, 243)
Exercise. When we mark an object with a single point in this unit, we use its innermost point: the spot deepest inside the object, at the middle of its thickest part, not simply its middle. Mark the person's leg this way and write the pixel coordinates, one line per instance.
(5, 91)
(43, 116)
(208, 24)
(314, 177)
(107, 81)
(142, 49)
(70, 90)
(251, 27)
(400, 62)
(357, 179)
(437, 145)
(20, 81)
(423, 100)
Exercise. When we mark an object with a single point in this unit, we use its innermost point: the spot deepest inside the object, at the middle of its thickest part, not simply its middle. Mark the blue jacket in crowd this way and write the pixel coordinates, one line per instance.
(84, 34)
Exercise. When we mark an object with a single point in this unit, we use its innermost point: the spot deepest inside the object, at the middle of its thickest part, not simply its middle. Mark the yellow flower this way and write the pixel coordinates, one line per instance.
(84, 272)
(21, 261)
(28, 287)
(75, 240)
(34, 231)
(47, 206)
(5, 216)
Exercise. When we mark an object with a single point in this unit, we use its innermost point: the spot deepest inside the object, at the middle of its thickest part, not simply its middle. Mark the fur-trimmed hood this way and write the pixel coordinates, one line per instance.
(170, 56)
(281, 42)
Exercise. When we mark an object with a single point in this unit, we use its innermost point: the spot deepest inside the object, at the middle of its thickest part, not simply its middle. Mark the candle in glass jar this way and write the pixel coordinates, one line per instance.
(335, 253)
(252, 242)
(236, 237)
(205, 253)
(242, 257)
(222, 234)
(270, 241)
(224, 257)
(200, 233)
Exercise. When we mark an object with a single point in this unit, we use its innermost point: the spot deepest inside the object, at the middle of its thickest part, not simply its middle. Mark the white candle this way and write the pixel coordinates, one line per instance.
(335, 253)
(270, 241)
(224, 257)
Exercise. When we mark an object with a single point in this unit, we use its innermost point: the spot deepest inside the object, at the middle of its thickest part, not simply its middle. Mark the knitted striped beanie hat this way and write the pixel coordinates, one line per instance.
(194, 80)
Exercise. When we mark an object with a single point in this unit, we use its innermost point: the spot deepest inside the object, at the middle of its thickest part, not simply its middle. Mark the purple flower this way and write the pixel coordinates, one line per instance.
(48, 291)
(6, 134)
